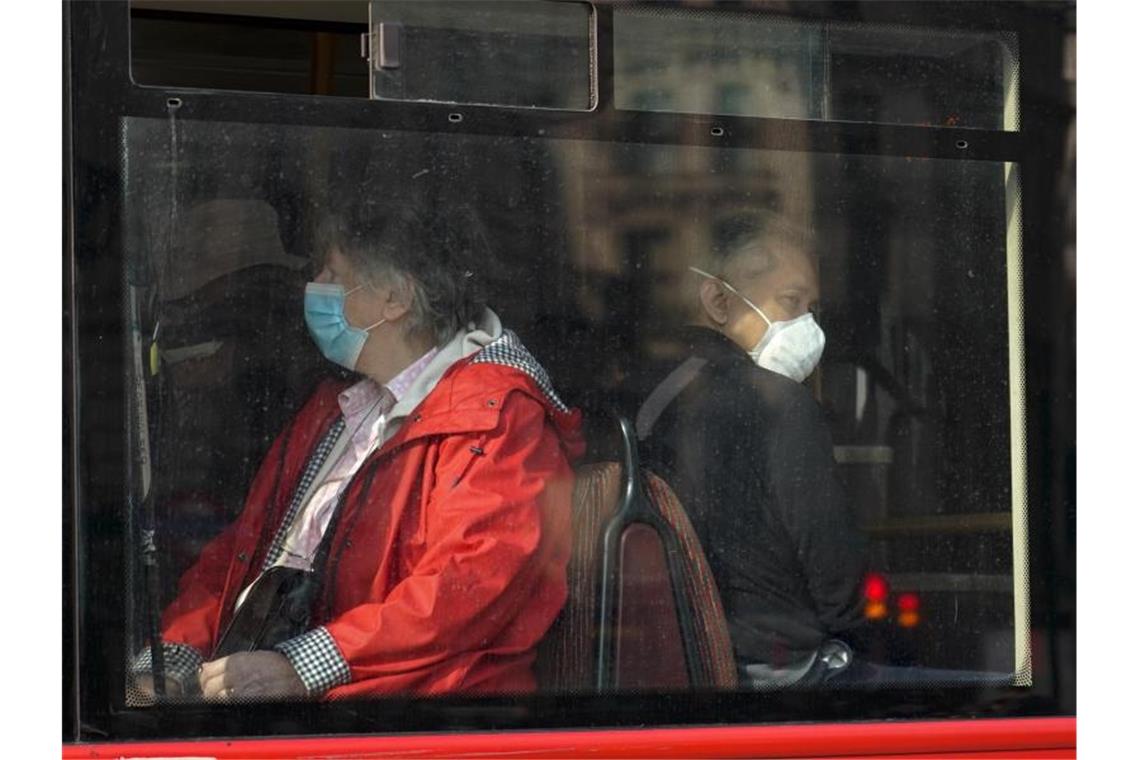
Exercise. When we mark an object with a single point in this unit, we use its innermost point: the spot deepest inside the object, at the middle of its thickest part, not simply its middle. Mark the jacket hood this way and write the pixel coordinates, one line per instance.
(472, 391)
(487, 364)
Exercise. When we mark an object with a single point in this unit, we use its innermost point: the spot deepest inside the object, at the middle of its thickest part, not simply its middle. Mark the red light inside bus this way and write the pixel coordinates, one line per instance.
(908, 610)
(876, 588)
(875, 591)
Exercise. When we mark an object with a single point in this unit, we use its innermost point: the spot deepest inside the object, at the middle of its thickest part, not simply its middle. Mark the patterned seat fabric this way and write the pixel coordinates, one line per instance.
(567, 656)
(713, 642)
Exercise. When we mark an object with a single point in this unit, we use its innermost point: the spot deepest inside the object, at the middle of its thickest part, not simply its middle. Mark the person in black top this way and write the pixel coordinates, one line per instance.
(723, 416)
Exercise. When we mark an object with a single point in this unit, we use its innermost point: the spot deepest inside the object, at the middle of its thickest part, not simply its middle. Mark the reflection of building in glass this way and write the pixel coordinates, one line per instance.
(772, 65)
(644, 228)
(593, 240)
(913, 270)
(719, 63)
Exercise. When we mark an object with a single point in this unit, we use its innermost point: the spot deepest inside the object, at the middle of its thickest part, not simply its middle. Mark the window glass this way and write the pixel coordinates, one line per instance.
(724, 62)
(528, 54)
(287, 46)
(590, 253)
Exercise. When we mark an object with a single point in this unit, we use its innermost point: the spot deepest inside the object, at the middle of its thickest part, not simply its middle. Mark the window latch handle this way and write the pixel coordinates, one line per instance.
(382, 45)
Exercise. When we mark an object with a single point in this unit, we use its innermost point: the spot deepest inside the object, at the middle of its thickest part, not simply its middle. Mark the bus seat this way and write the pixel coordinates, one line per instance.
(714, 646)
(643, 611)
(567, 654)
(649, 646)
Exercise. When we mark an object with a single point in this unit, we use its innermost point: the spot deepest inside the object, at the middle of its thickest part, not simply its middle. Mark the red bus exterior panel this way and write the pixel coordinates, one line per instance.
(982, 738)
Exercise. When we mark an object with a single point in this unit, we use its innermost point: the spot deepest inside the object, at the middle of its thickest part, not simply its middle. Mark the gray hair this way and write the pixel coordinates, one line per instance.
(433, 259)
(760, 237)
(763, 236)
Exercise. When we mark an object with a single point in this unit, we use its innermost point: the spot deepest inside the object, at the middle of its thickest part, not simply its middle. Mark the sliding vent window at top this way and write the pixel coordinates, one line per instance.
(525, 53)
(764, 65)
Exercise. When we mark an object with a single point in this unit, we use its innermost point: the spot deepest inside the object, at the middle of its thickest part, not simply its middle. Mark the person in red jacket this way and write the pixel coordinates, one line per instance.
(432, 492)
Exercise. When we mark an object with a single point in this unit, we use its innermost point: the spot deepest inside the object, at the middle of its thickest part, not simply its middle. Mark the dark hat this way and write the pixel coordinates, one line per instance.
(219, 237)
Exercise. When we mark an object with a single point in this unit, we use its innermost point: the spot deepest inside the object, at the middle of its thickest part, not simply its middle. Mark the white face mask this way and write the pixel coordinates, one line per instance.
(792, 348)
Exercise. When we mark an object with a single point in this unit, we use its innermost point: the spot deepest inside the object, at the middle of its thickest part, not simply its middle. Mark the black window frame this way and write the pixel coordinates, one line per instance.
(98, 92)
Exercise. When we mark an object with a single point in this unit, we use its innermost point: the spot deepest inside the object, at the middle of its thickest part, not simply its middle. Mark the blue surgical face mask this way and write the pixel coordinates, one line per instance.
(339, 341)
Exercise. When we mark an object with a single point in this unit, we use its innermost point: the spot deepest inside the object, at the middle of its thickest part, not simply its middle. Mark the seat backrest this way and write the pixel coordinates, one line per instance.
(568, 653)
(648, 642)
(646, 631)
(713, 644)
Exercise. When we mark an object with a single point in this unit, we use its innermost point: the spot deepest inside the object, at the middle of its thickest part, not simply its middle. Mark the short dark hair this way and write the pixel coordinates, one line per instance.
(437, 256)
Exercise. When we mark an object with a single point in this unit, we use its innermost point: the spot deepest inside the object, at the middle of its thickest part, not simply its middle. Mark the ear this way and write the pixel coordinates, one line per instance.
(398, 301)
(714, 301)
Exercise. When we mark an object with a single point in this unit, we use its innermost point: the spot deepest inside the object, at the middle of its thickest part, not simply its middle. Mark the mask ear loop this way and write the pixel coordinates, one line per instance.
(735, 292)
(370, 328)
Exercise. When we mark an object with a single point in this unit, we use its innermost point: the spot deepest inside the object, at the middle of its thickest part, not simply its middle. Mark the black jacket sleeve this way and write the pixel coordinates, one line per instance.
(816, 513)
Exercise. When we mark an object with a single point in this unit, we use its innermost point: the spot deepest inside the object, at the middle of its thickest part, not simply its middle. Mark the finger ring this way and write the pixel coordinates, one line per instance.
(229, 692)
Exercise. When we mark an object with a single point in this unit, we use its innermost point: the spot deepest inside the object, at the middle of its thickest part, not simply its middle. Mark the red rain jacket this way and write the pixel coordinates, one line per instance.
(447, 566)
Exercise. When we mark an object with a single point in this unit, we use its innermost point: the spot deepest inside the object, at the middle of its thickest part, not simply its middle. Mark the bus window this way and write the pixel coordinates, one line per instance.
(785, 353)
(779, 67)
(919, 376)
(289, 46)
(526, 54)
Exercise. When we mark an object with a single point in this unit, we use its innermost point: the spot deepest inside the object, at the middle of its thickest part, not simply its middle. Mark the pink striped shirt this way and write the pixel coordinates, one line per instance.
(366, 407)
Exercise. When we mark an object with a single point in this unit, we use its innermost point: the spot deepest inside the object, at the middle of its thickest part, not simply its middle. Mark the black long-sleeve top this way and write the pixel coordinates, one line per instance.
(749, 454)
